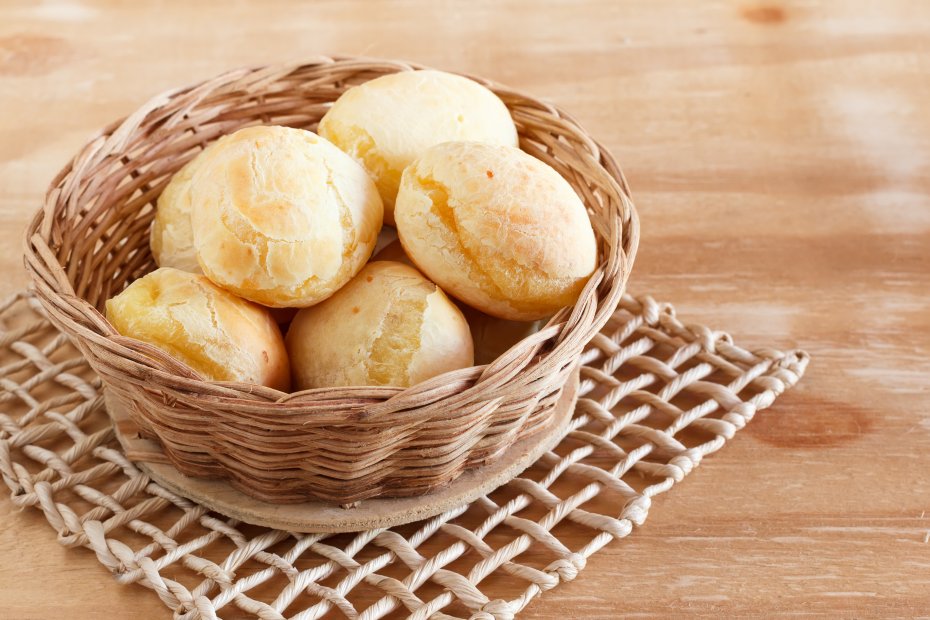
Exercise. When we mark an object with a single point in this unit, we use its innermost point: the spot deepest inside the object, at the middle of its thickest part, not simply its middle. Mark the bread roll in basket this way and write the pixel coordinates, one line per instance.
(90, 240)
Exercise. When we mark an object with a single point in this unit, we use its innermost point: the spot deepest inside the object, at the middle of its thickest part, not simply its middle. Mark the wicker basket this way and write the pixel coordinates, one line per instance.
(342, 444)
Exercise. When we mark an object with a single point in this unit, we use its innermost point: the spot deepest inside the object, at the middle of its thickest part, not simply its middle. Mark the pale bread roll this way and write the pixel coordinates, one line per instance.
(222, 337)
(491, 336)
(496, 228)
(171, 238)
(388, 326)
(282, 217)
(388, 122)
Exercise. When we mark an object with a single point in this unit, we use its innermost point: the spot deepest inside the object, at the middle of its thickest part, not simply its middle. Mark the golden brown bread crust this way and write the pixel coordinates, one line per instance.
(282, 217)
(388, 122)
(222, 337)
(388, 326)
(496, 228)
(491, 336)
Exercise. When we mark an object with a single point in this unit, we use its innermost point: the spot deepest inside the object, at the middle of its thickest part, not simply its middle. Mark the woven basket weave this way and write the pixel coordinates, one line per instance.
(659, 395)
(343, 444)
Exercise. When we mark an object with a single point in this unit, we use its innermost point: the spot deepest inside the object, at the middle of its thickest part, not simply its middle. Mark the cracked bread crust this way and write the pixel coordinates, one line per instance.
(496, 228)
(388, 122)
(282, 217)
(388, 326)
(222, 337)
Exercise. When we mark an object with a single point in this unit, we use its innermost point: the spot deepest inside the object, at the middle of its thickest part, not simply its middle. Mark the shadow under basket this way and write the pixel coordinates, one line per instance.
(337, 444)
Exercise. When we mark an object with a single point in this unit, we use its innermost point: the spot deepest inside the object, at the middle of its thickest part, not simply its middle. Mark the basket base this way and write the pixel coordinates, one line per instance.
(320, 516)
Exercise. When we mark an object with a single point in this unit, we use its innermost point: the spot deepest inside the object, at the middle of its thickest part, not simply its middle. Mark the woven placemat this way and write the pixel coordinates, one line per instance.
(656, 397)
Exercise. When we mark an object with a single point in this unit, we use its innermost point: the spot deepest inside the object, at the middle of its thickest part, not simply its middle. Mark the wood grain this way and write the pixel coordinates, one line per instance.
(780, 158)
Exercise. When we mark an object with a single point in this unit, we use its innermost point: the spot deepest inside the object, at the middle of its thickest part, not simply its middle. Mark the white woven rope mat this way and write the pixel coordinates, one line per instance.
(657, 396)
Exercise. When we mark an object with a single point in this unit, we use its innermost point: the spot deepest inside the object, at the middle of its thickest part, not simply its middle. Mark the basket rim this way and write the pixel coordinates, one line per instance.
(157, 369)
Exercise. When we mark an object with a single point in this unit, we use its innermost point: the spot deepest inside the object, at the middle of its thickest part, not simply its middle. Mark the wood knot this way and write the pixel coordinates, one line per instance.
(807, 421)
(766, 15)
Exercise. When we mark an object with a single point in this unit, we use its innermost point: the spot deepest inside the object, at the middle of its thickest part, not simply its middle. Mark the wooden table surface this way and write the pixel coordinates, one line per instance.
(779, 156)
